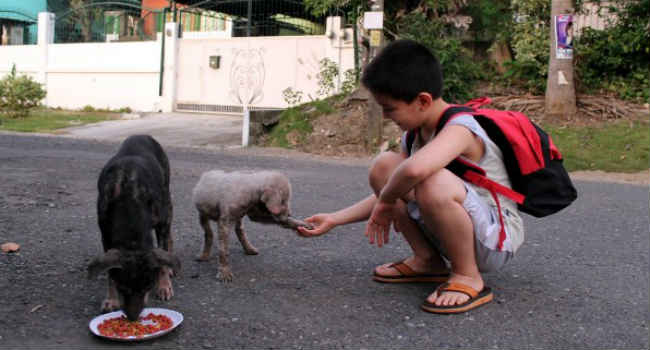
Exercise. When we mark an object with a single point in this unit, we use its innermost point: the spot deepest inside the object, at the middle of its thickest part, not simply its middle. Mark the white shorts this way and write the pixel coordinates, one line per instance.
(485, 220)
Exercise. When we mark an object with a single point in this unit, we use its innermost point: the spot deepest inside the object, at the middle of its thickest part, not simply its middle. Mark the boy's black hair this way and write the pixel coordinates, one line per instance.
(402, 70)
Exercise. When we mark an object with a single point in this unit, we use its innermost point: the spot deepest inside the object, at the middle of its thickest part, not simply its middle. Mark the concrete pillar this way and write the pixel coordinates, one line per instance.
(45, 38)
(245, 131)
(170, 67)
(333, 30)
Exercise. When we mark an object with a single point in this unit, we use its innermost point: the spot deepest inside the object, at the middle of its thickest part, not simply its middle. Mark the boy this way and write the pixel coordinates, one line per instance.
(452, 226)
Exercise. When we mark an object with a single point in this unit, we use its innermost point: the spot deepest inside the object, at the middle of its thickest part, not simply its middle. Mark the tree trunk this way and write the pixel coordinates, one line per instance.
(560, 88)
(375, 113)
(87, 25)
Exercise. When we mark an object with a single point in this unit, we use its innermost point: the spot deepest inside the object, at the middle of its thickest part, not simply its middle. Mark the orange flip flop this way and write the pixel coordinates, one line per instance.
(476, 299)
(408, 275)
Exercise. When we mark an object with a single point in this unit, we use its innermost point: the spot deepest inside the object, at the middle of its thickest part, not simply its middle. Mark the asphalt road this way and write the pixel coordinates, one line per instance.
(579, 281)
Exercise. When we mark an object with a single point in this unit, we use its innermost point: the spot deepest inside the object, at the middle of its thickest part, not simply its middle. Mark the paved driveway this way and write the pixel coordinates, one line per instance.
(179, 129)
(579, 281)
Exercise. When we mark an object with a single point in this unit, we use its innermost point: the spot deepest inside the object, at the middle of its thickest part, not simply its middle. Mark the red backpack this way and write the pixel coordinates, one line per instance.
(540, 184)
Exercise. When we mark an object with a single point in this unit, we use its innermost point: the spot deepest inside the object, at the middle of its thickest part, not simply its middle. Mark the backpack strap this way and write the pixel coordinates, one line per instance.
(448, 114)
(478, 102)
(467, 171)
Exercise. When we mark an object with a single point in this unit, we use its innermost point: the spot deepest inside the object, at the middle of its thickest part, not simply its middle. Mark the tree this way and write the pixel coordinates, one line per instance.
(560, 87)
(85, 15)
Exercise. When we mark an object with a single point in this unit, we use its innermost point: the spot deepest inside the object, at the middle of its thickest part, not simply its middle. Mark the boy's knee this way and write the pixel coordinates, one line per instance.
(382, 167)
(439, 190)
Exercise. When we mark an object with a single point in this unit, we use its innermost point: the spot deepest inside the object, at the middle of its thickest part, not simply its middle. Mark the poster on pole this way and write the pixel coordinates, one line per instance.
(373, 20)
(564, 36)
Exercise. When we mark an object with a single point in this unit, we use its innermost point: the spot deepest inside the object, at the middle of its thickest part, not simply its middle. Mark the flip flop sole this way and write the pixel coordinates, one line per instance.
(411, 279)
(484, 297)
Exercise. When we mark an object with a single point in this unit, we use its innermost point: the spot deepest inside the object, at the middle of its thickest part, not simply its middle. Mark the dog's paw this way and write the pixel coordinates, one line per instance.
(165, 290)
(224, 275)
(110, 305)
(203, 257)
(250, 250)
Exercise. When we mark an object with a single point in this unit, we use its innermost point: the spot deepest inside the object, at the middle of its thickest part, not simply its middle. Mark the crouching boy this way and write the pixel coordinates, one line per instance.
(453, 227)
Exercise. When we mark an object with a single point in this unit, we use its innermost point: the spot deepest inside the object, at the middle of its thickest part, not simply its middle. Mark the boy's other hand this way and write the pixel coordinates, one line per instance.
(378, 227)
(321, 223)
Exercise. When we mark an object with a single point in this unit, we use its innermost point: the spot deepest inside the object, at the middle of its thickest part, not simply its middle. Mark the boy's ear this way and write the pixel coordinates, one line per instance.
(425, 99)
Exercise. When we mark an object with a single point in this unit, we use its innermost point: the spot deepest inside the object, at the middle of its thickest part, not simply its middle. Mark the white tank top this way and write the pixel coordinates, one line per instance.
(492, 163)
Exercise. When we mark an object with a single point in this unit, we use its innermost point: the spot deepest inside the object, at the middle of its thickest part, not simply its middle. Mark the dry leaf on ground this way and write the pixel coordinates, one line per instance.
(9, 247)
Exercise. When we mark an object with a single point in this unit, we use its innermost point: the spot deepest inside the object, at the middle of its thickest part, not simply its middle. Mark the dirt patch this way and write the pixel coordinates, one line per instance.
(341, 134)
(640, 178)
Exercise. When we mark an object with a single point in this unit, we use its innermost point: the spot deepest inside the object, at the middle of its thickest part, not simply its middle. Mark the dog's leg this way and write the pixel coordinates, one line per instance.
(168, 245)
(248, 247)
(224, 274)
(165, 291)
(112, 301)
(209, 236)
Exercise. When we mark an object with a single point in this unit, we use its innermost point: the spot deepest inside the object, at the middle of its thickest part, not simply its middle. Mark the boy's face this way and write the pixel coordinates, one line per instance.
(407, 115)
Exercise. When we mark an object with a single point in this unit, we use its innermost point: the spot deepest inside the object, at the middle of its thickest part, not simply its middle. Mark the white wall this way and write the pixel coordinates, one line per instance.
(104, 75)
(25, 57)
(126, 74)
(273, 64)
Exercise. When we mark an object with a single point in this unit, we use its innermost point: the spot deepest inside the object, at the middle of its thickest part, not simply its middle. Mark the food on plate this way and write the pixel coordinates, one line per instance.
(121, 327)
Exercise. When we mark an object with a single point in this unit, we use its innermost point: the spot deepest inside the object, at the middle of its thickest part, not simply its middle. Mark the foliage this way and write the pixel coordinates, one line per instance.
(328, 79)
(349, 83)
(84, 16)
(298, 121)
(617, 59)
(19, 94)
(460, 70)
(530, 43)
(491, 19)
(323, 7)
(90, 109)
(291, 97)
(327, 75)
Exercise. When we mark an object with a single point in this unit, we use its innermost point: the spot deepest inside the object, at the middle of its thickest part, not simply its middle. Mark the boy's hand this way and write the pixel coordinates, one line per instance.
(321, 223)
(378, 227)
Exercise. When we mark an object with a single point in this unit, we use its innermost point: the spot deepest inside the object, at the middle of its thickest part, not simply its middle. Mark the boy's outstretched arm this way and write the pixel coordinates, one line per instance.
(324, 222)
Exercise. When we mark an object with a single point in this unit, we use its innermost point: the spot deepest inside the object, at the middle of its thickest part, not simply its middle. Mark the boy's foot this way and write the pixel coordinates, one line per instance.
(410, 270)
(458, 294)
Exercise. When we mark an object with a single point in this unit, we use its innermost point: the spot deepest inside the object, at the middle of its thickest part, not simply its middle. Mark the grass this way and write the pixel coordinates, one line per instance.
(48, 121)
(612, 146)
(618, 146)
(297, 120)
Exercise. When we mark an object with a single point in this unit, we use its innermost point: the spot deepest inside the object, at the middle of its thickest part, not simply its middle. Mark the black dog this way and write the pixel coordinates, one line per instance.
(134, 199)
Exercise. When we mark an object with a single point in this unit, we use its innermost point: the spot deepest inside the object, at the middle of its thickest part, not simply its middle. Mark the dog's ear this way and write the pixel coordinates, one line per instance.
(110, 260)
(276, 193)
(272, 199)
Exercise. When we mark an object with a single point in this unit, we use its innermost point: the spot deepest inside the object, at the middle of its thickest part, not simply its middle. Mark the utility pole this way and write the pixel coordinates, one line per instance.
(374, 22)
(560, 88)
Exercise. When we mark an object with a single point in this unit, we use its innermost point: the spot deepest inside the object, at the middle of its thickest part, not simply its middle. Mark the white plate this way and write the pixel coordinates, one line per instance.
(176, 318)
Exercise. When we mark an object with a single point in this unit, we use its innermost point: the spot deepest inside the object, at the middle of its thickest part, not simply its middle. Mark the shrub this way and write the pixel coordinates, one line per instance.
(617, 59)
(530, 43)
(19, 94)
(291, 97)
(327, 75)
(350, 82)
(459, 69)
